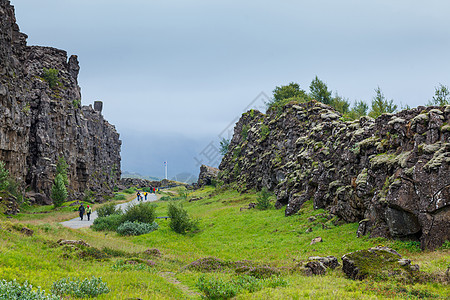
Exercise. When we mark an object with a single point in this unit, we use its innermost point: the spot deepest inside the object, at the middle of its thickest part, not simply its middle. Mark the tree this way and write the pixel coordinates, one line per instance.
(224, 145)
(284, 93)
(61, 168)
(319, 91)
(4, 176)
(340, 104)
(51, 76)
(441, 96)
(380, 105)
(59, 191)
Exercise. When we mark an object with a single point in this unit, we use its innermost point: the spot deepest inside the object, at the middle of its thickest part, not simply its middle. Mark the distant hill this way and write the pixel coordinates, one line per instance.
(126, 174)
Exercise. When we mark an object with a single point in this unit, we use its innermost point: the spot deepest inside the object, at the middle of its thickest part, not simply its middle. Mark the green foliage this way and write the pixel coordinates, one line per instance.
(109, 223)
(218, 288)
(263, 199)
(4, 176)
(59, 191)
(441, 96)
(130, 190)
(51, 76)
(224, 145)
(136, 228)
(76, 103)
(119, 197)
(180, 222)
(284, 94)
(319, 91)
(147, 189)
(108, 209)
(244, 132)
(381, 105)
(411, 246)
(445, 245)
(359, 109)
(264, 132)
(14, 291)
(61, 168)
(341, 104)
(74, 287)
(142, 212)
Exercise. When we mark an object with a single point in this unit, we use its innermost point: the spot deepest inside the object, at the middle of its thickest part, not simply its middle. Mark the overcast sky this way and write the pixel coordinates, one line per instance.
(173, 74)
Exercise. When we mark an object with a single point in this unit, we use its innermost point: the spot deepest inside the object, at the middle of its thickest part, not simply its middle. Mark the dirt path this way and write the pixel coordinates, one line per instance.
(77, 223)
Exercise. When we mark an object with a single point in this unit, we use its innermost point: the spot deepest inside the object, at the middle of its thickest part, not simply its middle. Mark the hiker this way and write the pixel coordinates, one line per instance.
(145, 196)
(81, 210)
(88, 212)
(154, 190)
(138, 196)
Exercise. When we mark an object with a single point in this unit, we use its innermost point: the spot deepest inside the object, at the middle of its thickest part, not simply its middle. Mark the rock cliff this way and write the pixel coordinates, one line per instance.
(42, 119)
(390, 174)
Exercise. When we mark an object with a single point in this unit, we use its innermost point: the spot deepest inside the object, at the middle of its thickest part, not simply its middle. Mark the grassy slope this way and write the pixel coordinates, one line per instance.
(227, 233)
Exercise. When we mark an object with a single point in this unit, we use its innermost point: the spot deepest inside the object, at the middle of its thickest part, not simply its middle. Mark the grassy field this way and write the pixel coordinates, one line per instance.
(225, 232)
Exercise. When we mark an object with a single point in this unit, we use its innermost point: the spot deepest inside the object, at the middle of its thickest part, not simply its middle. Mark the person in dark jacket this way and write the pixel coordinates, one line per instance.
(81, 210)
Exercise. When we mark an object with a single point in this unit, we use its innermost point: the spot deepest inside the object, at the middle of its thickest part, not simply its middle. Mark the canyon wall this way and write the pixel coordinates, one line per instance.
(43, 120)
(390, 174)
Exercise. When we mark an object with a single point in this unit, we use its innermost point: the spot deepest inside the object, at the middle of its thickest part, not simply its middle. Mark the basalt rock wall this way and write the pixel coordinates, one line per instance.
(42, 122)
(390, 174)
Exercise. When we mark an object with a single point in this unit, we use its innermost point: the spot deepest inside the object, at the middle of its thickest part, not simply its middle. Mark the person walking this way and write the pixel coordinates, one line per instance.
(145, 196)
(81, 210)
(138, 196)
(88, 212)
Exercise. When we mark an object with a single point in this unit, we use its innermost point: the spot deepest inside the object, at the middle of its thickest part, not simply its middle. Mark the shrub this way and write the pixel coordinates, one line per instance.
(82, 289)
(111, 223)
(51, 76)
(109, 209)
(136, 228)
(119, 197)
(263, 199)
(4, 175)
(142, 212)
(59, 191)
(180, 222)
(217, 288)
(129, 190)
(13, 290)
(411, 246)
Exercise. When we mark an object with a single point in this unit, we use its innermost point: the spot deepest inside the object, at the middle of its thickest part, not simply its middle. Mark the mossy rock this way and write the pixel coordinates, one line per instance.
(379, 263)
(207, 264)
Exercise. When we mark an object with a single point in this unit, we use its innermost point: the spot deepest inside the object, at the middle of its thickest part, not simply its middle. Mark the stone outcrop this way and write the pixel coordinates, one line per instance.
(391, 174)
(207, 175)
(42, 119)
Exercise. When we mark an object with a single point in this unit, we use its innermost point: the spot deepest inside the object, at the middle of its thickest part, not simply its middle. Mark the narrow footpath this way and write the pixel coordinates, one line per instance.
(76, 223)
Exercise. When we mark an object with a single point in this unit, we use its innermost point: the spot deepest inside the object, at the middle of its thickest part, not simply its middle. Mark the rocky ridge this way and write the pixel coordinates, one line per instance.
(42, 121)
(391, 174)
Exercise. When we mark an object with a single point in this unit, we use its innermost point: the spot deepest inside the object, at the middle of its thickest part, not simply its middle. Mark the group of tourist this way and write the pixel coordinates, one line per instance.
(87, 210)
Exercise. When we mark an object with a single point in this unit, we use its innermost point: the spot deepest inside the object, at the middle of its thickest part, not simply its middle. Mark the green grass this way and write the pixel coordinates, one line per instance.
(264, 237)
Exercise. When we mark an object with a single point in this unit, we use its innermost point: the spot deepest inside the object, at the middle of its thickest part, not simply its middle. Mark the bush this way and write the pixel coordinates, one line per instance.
(82, 289)
(4, 176)
(51, 76)
(119, 197)
(142, 212)
(136, 228)
(111, 222)
(263, 199)
(13, 290)
(129, 190)
(180, 222)
(217, 288)
(109, 209)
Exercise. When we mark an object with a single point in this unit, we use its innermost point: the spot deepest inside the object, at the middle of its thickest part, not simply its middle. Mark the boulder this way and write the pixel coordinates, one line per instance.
(207, 175)
(328, 261)
(380, 263)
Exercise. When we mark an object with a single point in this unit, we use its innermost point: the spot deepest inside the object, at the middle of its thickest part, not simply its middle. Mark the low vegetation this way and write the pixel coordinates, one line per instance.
(240, 253)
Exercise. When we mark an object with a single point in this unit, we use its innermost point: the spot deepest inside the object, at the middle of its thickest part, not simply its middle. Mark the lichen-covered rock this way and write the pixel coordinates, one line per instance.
(328, 261)
(207, 175)
(42, 119)
(392, 173)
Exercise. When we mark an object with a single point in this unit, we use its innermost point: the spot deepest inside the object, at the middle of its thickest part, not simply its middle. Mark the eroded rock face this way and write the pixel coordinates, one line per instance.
(42, 121)
(391, 173)
(207, 175)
